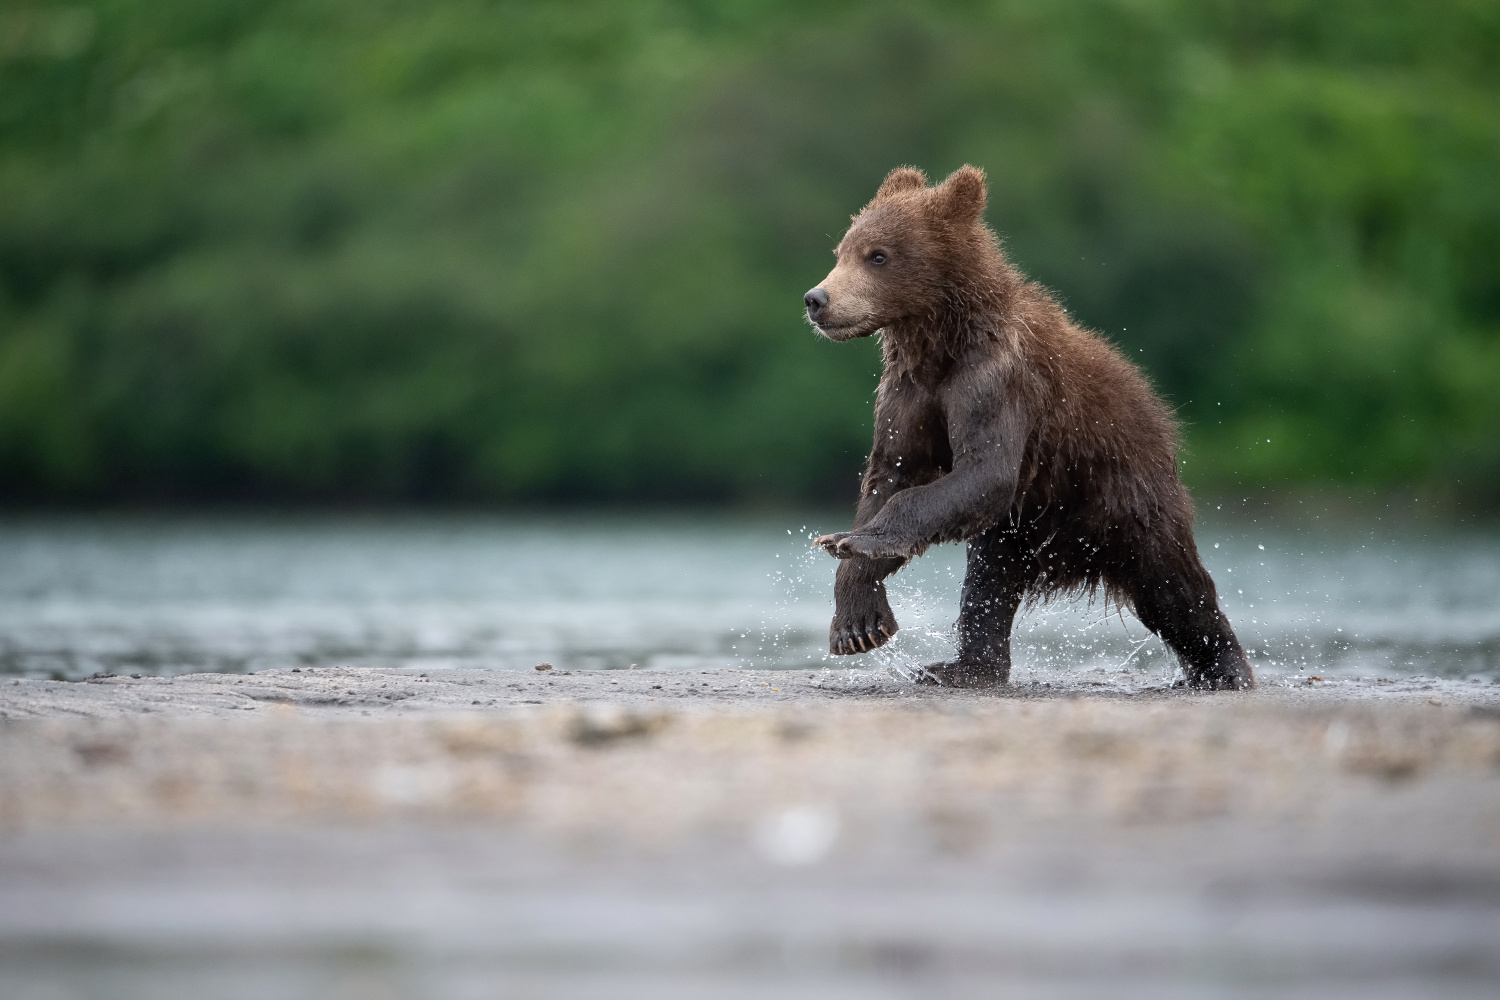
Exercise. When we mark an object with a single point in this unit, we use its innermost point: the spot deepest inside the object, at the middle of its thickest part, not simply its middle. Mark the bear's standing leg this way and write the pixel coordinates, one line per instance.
(1181, 605)
(994, 586)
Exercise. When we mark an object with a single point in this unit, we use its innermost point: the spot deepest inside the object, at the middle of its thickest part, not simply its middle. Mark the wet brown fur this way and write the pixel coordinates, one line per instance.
(1001, 422)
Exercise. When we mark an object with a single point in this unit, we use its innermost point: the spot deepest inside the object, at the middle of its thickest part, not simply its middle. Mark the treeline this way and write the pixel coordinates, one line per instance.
(459, 250)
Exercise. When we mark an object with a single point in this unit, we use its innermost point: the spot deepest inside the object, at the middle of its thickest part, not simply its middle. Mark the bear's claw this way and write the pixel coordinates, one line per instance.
(850, 545)
(859, 637)
(834, 544)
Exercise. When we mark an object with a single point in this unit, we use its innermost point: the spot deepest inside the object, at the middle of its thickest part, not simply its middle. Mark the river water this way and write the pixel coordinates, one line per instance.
(81, 595)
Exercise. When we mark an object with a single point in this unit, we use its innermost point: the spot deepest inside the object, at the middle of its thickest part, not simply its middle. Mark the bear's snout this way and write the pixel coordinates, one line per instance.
(816, 301)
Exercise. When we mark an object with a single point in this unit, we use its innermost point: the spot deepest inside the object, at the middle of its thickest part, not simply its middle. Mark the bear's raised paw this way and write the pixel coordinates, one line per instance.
(861, 631)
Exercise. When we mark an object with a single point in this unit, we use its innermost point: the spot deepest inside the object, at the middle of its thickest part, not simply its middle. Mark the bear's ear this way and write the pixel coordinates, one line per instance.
(962, 195)
(901, 179)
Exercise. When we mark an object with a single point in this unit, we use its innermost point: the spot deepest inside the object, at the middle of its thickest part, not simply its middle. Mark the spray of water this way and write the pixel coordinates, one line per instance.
(1305, 605)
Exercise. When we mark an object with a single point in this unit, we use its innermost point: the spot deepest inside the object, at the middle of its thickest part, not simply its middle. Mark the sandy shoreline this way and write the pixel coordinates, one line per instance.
(714, 746)
(295, 802)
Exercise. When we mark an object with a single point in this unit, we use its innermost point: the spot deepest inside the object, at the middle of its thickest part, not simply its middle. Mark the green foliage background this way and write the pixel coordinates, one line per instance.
(453, 249)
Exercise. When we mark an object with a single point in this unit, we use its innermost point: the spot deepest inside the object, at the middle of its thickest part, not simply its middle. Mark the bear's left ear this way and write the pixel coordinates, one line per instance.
(962, 195)
(901, 179)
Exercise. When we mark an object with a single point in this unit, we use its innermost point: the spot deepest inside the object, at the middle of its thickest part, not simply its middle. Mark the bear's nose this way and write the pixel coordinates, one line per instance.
(816, 301)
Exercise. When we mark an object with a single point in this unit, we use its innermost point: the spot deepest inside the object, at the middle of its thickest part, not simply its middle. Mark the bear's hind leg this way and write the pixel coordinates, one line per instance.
(1181, 605)
(995, 584)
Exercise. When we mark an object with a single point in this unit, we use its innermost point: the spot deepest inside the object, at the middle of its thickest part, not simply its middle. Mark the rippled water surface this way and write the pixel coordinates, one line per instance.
(81, 595)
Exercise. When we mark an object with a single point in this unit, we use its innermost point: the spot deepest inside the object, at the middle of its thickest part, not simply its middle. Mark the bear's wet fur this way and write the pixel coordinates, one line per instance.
(1002, 423)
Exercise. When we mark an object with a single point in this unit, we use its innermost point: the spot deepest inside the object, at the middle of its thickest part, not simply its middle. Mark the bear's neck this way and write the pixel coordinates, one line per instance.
(969, 311)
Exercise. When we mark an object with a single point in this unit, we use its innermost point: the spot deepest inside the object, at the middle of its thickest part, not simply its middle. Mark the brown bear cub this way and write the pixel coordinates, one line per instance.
(1001, 423)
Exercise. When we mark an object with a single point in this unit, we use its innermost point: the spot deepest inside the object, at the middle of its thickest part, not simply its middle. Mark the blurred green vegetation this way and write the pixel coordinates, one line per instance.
(453, 249)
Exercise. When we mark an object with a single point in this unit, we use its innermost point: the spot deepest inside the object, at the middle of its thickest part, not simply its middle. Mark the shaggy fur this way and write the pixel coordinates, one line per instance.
(1002, 423)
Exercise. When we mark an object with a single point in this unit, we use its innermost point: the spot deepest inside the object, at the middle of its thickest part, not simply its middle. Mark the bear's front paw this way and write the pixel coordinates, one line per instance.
(849, 545)
(861, 630)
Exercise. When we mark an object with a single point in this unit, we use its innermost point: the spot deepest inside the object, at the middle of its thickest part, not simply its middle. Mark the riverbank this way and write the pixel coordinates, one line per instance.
(721, 827)
(714, 747)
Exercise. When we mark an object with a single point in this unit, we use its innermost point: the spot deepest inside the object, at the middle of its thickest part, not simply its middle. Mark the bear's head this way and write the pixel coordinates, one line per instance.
(899, 257)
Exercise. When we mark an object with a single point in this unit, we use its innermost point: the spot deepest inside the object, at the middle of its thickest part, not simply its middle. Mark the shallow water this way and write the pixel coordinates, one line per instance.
(156, 594)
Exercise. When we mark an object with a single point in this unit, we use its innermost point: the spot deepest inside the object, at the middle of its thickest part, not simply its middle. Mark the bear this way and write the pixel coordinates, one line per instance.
(1002, 423)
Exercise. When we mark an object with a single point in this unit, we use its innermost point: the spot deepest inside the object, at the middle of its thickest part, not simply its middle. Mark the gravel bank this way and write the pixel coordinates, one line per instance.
(811, 833)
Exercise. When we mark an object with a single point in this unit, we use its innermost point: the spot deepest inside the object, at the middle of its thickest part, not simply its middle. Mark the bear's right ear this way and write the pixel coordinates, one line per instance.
(901, 179)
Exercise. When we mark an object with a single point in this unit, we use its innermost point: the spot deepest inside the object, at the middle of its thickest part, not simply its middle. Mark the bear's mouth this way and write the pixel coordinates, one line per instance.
(843, 331)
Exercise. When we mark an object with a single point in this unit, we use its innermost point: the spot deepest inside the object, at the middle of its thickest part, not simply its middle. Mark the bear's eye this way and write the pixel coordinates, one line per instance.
(878, 257)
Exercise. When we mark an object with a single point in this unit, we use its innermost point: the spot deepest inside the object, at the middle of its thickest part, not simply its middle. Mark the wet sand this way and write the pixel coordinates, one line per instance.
(340, 832)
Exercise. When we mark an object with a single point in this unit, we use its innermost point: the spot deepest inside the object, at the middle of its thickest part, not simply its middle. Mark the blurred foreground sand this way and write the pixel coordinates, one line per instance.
(379, 833)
